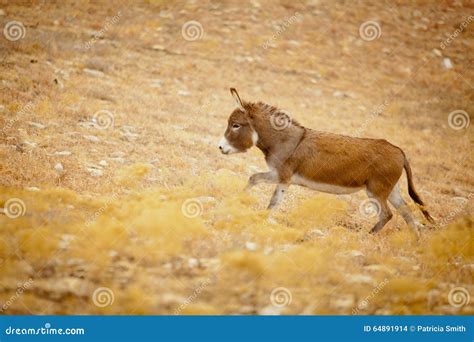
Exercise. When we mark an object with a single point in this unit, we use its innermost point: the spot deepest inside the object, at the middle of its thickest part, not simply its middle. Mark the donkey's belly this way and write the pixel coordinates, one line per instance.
(323, 187)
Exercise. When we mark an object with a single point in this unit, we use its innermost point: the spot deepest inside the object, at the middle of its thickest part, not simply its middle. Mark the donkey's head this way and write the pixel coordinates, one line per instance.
(239, 135)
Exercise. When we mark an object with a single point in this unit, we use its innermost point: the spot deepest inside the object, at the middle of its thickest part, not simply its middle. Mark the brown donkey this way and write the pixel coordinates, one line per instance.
(322, 161)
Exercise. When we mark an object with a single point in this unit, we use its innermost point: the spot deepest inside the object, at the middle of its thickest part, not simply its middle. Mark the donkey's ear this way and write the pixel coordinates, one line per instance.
(237, 99)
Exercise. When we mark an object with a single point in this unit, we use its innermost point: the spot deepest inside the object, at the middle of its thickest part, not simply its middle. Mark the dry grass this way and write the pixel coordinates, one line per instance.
(113, 216)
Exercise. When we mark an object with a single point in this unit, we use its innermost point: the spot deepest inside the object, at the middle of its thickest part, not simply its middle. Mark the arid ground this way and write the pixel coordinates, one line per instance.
(116, 199)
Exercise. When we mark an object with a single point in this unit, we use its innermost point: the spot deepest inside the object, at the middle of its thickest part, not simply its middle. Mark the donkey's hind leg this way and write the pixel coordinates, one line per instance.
(385, 214)
(399, 203)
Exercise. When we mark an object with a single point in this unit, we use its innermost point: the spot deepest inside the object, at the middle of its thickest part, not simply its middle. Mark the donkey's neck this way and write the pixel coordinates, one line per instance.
(277, 145)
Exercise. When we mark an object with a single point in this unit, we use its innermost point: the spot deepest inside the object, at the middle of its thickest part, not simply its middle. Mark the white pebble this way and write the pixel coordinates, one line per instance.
(59, 167)
(96, 173)
(447, 63)
(93, 72)
(62, 153)
(92, 138)
(251, 246)
(36, 125)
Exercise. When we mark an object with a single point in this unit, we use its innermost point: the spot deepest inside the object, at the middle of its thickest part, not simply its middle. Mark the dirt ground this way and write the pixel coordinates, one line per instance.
(116, 199)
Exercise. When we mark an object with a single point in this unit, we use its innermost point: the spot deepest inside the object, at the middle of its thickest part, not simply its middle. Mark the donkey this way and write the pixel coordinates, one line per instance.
(326, 162)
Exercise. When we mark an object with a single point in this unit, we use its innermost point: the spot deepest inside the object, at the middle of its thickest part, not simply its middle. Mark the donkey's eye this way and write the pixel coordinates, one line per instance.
(236, 126)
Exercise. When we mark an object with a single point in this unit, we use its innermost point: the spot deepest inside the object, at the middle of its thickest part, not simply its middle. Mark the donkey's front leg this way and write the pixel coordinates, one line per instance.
(278, 195)
(261, 177)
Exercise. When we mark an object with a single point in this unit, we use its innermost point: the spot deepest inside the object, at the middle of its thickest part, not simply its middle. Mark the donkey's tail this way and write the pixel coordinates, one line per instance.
(413, 194)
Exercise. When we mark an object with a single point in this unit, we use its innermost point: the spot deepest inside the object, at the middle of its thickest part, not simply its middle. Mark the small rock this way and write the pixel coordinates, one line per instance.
(314, 234)
(118, 160)
(206, 199)
(95, 172)
(33, 188)
(172, 299)
(166, 14)
(156, 84)
(193, 262)
(343, 301)
(447, 63)
(158, 47)
(437, 52)
(351, 254)
(30, 144)
(251, 246)
(339, 93)
(59, 168)
(65, 241)
(183, 93)
(129, 135)
(271, 220)
(92, 138)
(93, 72)
(36, 125)
(103, 163)
(360, 278)
(62, 153)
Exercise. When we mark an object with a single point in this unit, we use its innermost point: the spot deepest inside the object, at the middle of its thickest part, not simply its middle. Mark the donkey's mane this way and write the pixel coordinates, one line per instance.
(261, 108)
